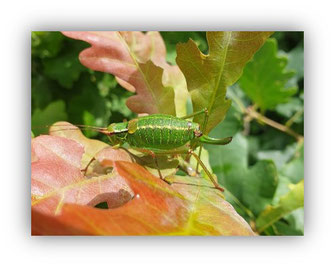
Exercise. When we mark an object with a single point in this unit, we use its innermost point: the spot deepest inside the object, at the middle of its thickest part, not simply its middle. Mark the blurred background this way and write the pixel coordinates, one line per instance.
(259, 168)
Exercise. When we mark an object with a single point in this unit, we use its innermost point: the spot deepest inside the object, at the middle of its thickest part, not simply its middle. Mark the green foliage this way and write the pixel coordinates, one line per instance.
(87, 97)
(209, 75)
(291, 201)
(265, 78)
(254, 186)
(262, 169)
(172, 38)
(55, 111)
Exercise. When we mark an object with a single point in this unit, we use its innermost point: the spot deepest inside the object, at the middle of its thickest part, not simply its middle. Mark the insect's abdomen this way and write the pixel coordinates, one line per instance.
(161, 132)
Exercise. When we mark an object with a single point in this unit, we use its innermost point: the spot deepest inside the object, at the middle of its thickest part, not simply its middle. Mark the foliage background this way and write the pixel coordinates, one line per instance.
(271, 160)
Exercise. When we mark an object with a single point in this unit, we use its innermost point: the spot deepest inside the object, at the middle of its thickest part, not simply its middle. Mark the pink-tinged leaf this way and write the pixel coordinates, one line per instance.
(137, 60)
(140, 203)
(57, 178)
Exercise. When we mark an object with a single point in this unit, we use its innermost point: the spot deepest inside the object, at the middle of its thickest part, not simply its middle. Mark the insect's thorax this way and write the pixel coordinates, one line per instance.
(161, 132)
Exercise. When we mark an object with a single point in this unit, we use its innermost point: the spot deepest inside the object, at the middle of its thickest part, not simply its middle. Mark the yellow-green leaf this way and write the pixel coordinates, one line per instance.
(209, 75)
(293, 200)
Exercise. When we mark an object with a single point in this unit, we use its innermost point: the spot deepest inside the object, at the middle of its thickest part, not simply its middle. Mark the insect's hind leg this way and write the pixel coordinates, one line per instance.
(217, 186)
(205, 110)
(201, 145)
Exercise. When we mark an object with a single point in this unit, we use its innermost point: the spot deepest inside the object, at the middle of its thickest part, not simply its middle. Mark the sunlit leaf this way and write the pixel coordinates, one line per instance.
(64, 200)
(57, 179)
(209, 75)
(138, 61)
(293, 200)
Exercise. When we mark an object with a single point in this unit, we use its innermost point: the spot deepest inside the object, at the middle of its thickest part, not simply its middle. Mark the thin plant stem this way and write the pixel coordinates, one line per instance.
(251, 113)
(254, 114)
(294, 117)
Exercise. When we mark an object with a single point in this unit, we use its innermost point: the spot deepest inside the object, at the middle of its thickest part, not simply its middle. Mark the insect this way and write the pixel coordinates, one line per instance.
(159, 134)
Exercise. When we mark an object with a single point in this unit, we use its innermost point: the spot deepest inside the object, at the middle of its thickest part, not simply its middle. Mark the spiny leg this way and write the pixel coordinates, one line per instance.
(203, 130)
(190, 152)
(217, 186)
(205, 110)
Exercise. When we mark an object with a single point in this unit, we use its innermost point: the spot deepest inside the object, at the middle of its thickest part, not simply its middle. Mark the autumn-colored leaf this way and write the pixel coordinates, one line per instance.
(209, 75)
(138, 61)
(57, 178)
(140, 203)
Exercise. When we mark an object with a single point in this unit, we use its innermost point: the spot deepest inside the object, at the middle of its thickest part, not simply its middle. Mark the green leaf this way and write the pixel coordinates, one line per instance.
(279, 157)
(208, 76)
(46, 44)
(41, 91)
(296, 62)
(88, 106)
(253, 186)
(288, 109)
(293, 200)
(55, 111)
(65, 68)
(233, 122)
(291, 225)
(265, 78)
(172, 38)
(294, 169)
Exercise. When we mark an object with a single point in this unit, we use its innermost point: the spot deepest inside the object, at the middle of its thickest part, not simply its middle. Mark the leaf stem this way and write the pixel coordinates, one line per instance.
(294, 117)
(251, 113)
(254, 114)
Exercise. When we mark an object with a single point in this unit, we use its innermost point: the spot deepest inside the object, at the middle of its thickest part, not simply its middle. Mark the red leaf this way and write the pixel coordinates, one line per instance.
(139, 203)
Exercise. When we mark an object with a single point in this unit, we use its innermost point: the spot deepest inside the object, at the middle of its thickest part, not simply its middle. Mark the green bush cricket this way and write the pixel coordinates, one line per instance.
(161, 134)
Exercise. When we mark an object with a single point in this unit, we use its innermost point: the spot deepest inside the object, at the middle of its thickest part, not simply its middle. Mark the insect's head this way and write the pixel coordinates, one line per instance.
(116, 128)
